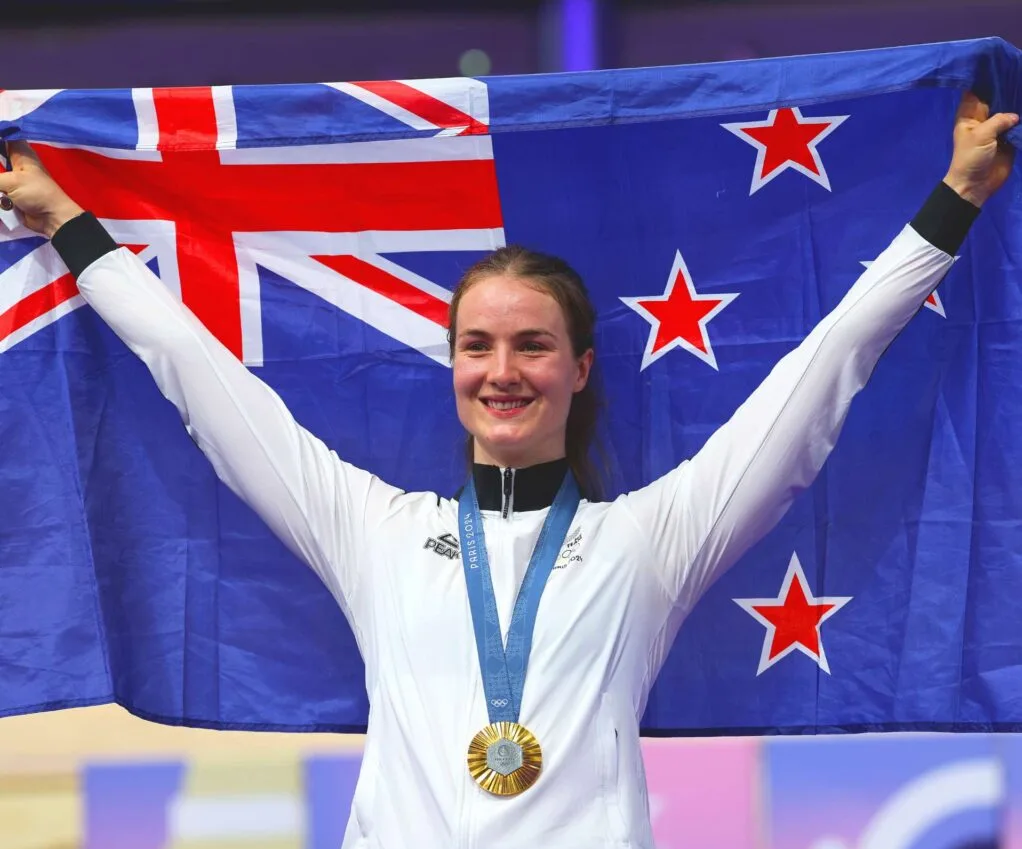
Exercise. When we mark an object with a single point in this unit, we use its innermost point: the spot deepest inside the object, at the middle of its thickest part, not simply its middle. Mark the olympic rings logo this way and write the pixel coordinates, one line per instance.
(499, 702)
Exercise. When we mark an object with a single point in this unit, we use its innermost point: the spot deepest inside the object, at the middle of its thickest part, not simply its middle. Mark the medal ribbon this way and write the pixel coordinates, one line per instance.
(503, 668)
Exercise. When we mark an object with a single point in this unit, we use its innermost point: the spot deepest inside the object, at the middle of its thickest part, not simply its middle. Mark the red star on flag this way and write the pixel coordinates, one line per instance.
(787, 140)
(679, 316)
(793, 619)
(932, 302)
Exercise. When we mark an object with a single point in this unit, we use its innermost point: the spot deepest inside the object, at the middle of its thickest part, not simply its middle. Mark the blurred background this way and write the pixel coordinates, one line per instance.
(98, 778)
(88, 43)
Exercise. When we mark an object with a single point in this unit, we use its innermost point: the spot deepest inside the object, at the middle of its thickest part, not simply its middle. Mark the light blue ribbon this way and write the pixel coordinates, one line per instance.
(503, 668)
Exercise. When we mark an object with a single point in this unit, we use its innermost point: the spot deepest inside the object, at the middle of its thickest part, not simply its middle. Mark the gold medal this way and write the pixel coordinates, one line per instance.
(505, 758)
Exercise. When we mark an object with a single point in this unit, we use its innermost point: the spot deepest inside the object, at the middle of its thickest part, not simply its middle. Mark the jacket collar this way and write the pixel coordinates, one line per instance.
(508, 490)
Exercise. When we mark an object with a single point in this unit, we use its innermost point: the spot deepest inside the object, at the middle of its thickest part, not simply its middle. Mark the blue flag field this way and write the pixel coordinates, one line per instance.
(716, 212)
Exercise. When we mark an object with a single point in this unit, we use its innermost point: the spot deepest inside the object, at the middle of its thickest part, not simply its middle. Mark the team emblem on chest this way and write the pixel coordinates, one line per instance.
(571, 552)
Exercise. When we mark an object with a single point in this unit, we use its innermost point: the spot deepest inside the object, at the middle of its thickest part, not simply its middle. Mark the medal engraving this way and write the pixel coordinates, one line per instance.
(504, 757)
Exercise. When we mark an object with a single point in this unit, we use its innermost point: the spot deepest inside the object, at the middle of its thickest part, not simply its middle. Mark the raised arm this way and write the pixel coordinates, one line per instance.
(318, 505)
(704, 515)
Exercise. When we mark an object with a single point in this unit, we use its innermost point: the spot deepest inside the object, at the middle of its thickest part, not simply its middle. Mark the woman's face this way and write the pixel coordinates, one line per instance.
(515, 372)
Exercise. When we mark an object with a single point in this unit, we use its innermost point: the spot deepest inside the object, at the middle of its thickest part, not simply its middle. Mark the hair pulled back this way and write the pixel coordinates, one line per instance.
(554, 276)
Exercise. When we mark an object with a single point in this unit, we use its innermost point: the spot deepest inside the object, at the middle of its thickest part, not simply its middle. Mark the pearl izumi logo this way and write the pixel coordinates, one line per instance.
(446, 546)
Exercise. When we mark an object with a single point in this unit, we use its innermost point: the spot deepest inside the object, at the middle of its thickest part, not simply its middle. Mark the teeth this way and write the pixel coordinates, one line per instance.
(506, 405)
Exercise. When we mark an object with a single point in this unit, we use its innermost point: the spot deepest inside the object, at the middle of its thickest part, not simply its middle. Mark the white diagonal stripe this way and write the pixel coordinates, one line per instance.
(17, 104)
(410, 277)
(463, 93)
(385, 315)
(386, 106)
(161, 236)
(34, 326)
(29, 274)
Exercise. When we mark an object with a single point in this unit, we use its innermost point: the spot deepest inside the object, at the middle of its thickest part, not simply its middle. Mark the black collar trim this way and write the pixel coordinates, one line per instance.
(535, 487)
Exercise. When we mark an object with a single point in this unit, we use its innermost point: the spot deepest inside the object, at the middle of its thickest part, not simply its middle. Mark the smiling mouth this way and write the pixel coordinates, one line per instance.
(505, 406)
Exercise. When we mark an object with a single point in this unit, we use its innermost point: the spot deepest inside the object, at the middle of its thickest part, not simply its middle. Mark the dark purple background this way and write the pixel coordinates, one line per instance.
(63, 46)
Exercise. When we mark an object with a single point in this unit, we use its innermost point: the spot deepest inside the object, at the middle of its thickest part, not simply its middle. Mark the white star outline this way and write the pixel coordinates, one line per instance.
(937, 306)
(679, 269)
(758, 180)
(794, 573)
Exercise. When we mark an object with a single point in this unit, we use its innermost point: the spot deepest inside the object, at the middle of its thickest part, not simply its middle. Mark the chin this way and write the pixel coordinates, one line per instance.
(508, 444)
(517, 452)
(504, 444)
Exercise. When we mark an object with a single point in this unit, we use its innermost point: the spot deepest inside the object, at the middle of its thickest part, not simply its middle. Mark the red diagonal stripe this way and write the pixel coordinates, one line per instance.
(39, 303)
(425, 106)
(43, 300)
(368, 275)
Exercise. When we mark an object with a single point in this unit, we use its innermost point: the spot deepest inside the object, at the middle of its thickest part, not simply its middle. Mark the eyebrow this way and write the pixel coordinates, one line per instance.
(530, 332)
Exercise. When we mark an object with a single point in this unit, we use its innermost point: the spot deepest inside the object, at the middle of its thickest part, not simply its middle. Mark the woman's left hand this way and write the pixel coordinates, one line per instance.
(981, 161)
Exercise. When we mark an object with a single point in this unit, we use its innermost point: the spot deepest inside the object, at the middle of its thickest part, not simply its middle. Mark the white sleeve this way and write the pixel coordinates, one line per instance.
(702, 516)
(318, 505)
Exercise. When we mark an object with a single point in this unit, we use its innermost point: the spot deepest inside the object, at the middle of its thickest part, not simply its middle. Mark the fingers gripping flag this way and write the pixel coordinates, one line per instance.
(716, 213)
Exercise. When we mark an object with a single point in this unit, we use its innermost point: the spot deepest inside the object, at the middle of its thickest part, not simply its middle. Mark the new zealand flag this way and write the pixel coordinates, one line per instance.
(716, 212)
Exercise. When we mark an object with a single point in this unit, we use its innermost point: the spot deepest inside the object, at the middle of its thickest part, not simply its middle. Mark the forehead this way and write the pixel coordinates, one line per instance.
(505, 302)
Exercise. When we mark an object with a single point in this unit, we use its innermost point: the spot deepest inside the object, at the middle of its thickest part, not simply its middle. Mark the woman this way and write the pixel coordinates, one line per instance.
(470, 744)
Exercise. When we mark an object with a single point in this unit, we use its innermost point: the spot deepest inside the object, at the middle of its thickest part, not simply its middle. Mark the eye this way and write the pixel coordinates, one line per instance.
(533, 347)
(474, 346)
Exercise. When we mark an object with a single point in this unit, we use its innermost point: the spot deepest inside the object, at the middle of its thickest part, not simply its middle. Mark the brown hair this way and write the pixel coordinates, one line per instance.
(559, 280)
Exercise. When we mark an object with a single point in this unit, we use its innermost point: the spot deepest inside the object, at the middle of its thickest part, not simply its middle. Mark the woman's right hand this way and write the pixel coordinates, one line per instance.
(44, 205)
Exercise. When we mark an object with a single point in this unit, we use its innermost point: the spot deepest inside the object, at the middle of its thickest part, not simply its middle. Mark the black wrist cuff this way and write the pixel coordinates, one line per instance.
(81, 241)
(945, 219)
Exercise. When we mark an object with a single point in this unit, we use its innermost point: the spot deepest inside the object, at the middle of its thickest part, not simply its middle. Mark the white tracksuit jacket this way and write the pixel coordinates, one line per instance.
(629, 572)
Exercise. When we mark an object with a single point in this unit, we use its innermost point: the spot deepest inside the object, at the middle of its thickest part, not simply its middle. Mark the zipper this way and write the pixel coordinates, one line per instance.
(509, 488)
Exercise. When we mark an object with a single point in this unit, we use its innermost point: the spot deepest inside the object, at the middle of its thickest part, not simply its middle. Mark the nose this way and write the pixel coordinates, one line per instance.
(503, 367)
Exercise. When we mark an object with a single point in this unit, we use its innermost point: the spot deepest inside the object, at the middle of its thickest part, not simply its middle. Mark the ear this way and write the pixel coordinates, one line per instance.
(585, 366)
